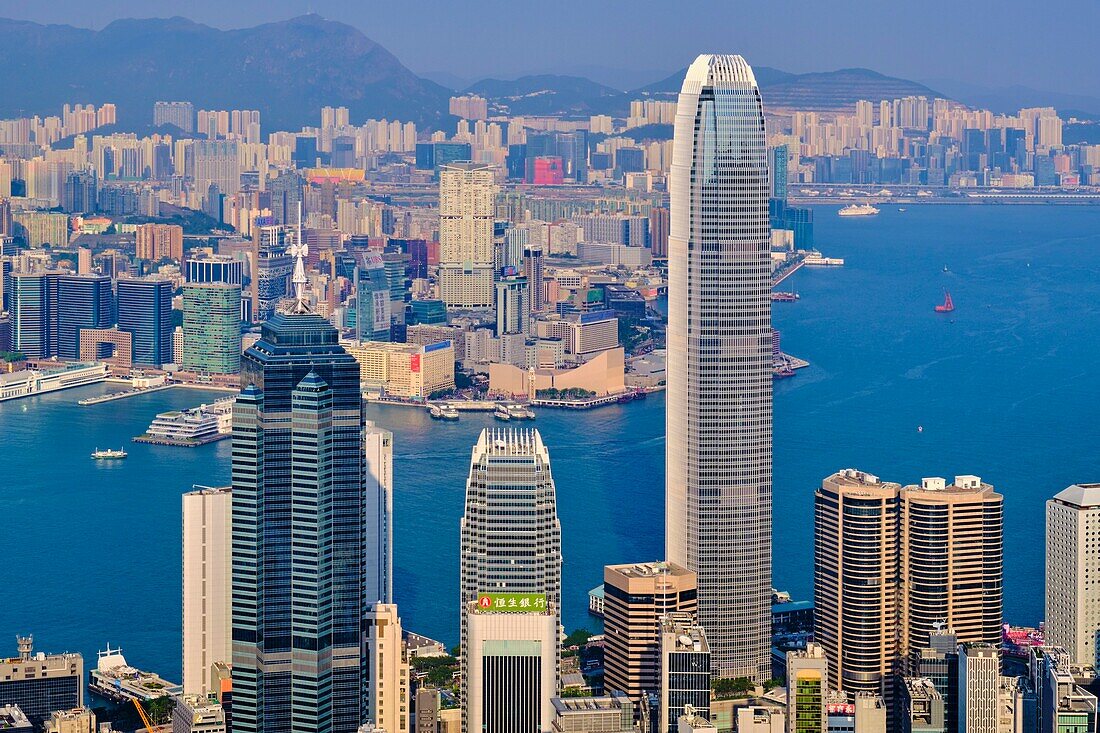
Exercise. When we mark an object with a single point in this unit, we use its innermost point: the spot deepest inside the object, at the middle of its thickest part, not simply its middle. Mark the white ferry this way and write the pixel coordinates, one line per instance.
(858, 210)
(108, 454)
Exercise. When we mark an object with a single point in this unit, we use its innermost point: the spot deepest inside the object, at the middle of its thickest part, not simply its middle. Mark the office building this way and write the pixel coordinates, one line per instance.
(685, 670)
(952, 562)
(41, 683)
(198, 714)
(211, 328)
(427, 710)
(979, 685)
(207, 586)
(404, 371)
(377, 515)
(178, 114)
(513, 306)
(870, 712)
(159, 241)
(532, 270)
(79, 194)
(636, 598)
(270, 268)
(510, 544)
(373, 310)
(939, 664)
(610, 714)
(920, 707)
(217, 164)
(81, 302)
(145, 312)
(856, 579)
(807, 685)
(719, 406)
(298, 462)
(467, 195)
(215, 269)
(77, 720)
(33, 317)
(1065, 706)
(510, 662)
(387, 670)
(14, 720)
(1072, 571)
(285, 190)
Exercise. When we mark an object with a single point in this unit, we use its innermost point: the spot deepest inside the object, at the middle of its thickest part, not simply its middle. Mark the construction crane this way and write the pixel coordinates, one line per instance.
(144, 717)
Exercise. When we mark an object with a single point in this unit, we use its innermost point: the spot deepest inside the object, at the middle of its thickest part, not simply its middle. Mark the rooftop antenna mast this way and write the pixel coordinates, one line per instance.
(299, 250)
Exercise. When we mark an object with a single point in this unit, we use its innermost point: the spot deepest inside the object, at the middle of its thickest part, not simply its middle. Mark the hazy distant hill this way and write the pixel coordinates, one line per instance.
(821, 91)
(547, 94)
(288, 70)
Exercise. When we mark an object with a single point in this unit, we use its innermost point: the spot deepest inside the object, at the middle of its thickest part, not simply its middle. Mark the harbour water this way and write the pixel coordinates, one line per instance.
(1003, 387)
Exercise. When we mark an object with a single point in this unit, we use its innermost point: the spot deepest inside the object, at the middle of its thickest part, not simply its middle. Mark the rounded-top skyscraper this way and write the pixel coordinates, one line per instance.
(719, 401)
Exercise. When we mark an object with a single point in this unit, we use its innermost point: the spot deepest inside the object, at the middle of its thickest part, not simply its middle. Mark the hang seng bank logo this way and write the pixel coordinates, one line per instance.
(512, 602)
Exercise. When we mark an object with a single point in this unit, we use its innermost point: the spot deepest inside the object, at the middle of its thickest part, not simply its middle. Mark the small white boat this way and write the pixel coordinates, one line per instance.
(449, 413)
(502, 413)
(435, 412)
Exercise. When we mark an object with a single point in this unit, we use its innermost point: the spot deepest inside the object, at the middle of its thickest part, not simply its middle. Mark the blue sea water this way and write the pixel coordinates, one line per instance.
(1005, 387)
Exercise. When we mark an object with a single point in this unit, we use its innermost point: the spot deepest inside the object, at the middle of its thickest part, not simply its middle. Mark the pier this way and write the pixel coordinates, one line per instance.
(123, 394)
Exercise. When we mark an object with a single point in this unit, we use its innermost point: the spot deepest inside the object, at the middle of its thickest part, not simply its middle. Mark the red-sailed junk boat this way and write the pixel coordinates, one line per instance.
(948, 304)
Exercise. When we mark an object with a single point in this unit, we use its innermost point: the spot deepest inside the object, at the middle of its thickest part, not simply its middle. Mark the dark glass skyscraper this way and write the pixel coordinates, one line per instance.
(298, 532)
(145, 311)
(82, 301)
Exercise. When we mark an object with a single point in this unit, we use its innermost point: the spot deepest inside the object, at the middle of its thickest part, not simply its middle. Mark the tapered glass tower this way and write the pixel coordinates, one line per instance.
(719, 402)
(299, 546)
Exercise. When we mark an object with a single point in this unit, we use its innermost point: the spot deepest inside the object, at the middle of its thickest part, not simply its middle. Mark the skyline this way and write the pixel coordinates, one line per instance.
(924, 43)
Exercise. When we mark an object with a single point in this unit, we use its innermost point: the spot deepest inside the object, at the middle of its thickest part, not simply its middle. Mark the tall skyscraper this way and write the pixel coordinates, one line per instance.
(377, 514)
(719, 394)
(1073, 569)
(34, 324)
(207, 597)
(467, 196)
(636, 598)
(81, 301)
(510, 536)
(510, 663)
(212, 328)
(952, 562)
(145, 311)
(298, 548)
(856, 579)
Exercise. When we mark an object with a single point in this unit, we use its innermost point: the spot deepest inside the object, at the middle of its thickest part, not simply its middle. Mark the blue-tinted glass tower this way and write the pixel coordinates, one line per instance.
(145, 310)
(298, 532)
(82, 301)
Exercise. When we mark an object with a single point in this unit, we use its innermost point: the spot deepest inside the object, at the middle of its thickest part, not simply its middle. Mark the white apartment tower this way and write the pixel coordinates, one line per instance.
(467, 198)
(377, 514)
(207, 587)
(1073, 567)
(719, 411)
(387, 677)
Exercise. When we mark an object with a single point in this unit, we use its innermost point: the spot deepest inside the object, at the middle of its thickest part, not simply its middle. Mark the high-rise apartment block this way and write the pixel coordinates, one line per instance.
(207, 585)
(920, 706)
(178, 114)
(1073, 572)
(159, 241)
(636, 598)
(378, 515)
(212, 328)
(298, 534)
(719, 406)
(467, 196)
(979, 685)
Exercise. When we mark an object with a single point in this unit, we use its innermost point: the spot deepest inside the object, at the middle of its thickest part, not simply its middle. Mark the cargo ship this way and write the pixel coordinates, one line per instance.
(948, 304)
(858, 210)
